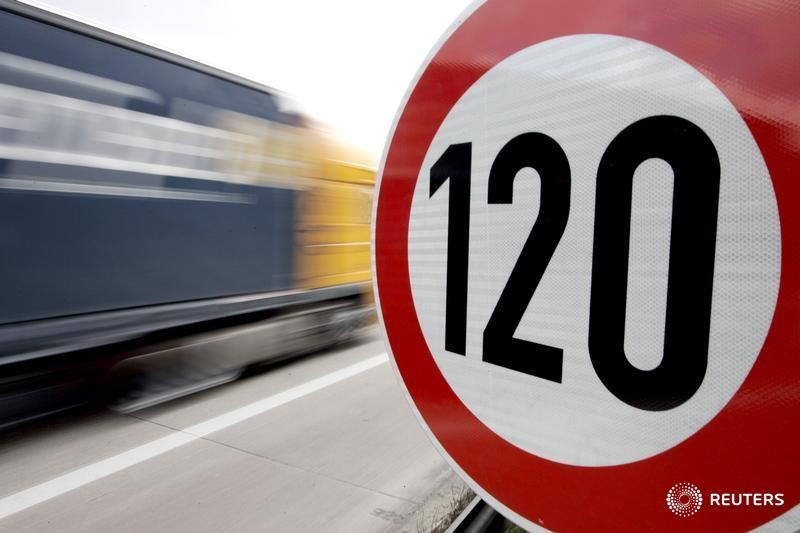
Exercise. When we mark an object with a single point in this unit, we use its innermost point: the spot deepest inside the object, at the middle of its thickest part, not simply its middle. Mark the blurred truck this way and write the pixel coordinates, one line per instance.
(163, 224)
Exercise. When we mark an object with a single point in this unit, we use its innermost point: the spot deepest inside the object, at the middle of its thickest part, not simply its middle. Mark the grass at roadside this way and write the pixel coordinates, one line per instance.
(441, 516)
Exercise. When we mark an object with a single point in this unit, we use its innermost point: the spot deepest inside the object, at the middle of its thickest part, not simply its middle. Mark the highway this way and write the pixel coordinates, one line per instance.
(321, 443)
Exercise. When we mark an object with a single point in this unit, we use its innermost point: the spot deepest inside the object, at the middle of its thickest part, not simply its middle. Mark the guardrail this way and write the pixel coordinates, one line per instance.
(479, 517)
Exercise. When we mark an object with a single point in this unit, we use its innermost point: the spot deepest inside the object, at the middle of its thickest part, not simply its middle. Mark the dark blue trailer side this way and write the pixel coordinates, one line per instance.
(87, 223)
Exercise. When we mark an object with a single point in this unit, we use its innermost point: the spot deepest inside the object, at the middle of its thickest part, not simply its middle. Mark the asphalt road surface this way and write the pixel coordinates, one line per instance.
(322, 443)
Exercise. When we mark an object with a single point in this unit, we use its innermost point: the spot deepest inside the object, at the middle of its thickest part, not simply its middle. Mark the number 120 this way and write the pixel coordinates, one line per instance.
(695, 164)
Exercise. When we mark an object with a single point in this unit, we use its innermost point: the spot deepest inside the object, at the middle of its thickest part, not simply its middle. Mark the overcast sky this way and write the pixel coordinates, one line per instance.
(347, 62)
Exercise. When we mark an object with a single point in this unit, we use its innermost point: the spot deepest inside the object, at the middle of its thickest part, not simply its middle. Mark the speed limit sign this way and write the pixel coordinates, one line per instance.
(586, 253)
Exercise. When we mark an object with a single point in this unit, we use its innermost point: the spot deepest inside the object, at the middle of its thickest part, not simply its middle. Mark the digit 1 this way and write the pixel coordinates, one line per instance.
(543, 154)
(455, 164)
(695, 164)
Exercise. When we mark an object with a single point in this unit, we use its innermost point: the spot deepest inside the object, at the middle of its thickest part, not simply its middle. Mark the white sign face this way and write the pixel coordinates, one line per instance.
(582, 92)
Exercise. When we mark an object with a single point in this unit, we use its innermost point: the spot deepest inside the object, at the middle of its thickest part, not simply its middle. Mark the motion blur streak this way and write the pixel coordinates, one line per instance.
(108, 190)
(77, 478)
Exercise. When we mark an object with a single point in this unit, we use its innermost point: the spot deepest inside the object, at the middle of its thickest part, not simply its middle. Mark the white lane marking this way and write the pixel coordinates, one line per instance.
(83, 476)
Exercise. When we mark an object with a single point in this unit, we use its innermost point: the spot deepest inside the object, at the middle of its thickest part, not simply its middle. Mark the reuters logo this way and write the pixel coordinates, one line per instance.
(684, 499)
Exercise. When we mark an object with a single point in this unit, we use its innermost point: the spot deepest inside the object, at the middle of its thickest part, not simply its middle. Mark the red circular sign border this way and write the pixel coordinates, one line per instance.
(748, 446)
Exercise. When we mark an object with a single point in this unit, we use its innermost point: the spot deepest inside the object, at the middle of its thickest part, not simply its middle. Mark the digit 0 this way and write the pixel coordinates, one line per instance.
(695, 165)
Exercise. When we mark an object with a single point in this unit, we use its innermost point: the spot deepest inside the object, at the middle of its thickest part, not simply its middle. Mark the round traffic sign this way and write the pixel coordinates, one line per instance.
(585, 260)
